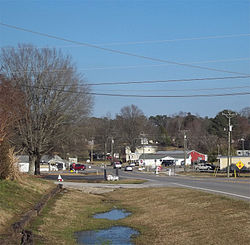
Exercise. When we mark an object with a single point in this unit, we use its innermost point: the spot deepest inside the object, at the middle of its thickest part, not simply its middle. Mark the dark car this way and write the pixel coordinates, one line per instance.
(77, 167)
(167, 163)
(205, 167)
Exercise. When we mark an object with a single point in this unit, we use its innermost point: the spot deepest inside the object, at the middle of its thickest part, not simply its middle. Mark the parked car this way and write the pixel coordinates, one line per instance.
(117, 165)
(77, 167)
(132, 164)
(128, 168)
(167, 163)
(204, 167)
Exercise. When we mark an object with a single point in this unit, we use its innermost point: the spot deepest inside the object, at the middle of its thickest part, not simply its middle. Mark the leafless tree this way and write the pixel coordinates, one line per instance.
(130, 123)
(55, 95)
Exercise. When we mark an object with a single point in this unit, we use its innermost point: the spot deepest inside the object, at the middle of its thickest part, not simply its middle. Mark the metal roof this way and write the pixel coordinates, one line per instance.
(163, 154)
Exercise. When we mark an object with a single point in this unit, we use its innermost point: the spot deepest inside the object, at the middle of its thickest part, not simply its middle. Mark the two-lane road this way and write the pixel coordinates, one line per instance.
(239, 188)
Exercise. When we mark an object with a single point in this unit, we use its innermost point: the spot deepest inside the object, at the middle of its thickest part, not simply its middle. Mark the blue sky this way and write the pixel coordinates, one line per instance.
(204, 33)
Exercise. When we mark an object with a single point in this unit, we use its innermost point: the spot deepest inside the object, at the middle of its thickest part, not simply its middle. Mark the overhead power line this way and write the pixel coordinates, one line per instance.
(170, 80)
(171, 96)
(176, 39)
(159, 65)
(173, 90)
(141, 96)
(117, 51)
(159, 41)
(142, 66)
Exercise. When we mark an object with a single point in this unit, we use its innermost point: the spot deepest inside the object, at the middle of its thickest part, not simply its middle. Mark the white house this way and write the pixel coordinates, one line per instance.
(177, 156)
(154, 160)
(48, 163)
(23, 163)
(144, 149)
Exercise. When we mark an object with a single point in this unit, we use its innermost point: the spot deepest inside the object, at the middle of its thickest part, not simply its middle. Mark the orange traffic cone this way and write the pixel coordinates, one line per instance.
(59, 178)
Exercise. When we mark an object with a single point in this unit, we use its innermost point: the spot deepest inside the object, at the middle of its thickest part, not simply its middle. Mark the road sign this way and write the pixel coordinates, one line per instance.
(240, 164)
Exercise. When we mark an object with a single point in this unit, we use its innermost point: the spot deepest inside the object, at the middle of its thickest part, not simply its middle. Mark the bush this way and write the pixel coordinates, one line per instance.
(8, 162)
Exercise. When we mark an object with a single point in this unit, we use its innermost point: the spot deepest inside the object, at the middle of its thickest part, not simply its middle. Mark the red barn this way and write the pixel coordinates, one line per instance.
(197, 156)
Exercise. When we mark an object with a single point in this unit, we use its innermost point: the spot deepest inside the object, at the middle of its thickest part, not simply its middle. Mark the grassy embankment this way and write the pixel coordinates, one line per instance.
(162, 216)
(17, 197)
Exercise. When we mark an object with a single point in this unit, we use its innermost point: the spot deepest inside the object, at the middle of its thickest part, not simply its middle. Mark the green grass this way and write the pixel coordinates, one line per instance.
(17, 197)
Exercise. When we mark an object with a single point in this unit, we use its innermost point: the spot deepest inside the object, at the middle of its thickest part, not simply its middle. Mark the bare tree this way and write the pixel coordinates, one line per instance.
(130, 123)
(53, 97)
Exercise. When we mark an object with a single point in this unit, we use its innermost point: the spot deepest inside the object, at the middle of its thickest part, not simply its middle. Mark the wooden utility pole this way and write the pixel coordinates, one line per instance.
(112, 148)
(185, 147)
(92, 149)
(229, 115)
(185, 150)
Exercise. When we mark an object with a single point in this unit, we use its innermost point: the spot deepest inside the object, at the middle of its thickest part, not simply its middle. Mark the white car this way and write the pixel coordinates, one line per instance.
(204, 167)
(117, 165)
(128, 168)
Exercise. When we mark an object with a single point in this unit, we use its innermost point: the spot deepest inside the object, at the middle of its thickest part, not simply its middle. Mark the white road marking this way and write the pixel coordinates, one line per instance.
(205, 189)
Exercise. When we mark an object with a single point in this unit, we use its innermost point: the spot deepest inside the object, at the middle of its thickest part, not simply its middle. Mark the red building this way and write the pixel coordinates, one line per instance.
(197, 156)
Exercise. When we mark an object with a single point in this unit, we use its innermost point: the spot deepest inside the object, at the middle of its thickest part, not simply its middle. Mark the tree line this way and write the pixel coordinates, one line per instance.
(206, 135)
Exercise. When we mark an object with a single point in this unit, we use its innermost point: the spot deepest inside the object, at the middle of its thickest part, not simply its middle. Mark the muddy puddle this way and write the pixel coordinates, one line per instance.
(117, 235)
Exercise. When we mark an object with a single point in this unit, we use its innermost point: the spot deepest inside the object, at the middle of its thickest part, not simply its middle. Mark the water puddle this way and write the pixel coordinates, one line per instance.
(117, 235)
(114, 214)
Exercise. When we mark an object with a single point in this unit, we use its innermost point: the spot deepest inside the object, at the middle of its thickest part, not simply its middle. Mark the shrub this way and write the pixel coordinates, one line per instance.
(8, 162)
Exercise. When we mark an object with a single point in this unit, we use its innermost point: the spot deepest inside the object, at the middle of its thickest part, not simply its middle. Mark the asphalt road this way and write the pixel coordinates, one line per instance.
(235, 188)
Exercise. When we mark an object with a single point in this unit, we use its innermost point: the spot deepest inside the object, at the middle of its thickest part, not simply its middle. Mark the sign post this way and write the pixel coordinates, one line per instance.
(240, 165)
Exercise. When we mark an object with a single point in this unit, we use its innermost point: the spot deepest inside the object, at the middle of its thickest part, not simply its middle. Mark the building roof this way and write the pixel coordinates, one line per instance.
(152, 156)
(197, 152)
(163, 154)
(174, 154)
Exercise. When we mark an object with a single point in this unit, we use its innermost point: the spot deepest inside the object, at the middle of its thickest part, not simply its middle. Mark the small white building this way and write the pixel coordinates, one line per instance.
(177, 156)
(235, 159)
(156, 159)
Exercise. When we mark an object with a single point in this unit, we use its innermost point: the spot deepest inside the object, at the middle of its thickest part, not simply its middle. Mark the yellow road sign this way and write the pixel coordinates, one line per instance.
(240, 164)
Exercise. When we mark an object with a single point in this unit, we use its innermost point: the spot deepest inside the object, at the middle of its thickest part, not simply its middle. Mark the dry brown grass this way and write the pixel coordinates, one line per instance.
(163, 216)
(181, 216)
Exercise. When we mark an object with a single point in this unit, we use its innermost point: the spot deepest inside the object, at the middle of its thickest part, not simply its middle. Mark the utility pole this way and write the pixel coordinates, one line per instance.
(112, 148)
(243, 146)
(229, 115)
(143, 153)
(185, 150)
(92, 149)
(185, 147)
